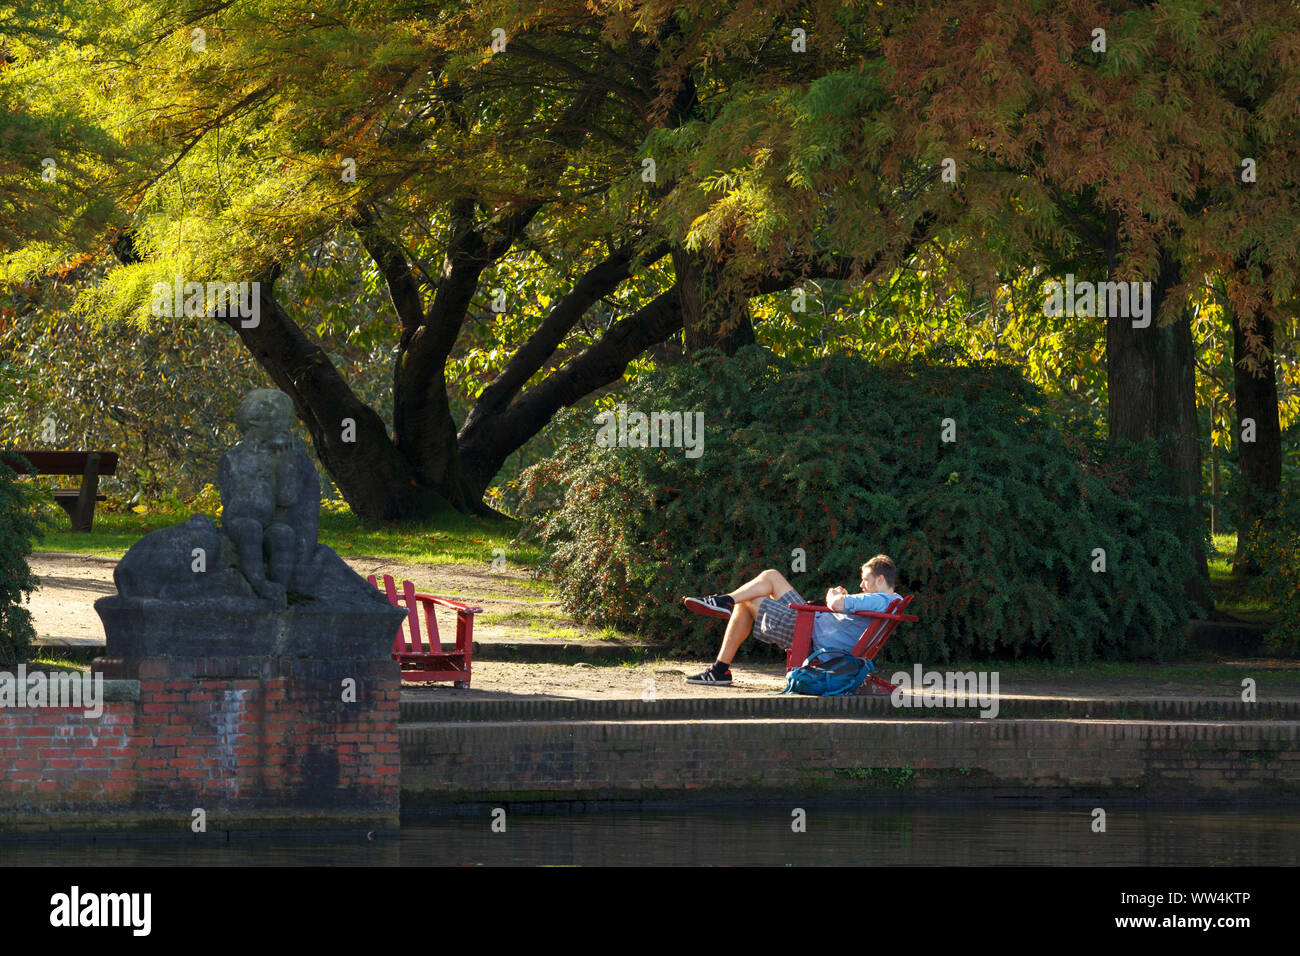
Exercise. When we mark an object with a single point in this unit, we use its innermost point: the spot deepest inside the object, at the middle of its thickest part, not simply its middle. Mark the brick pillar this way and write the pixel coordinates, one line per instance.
(251, 741)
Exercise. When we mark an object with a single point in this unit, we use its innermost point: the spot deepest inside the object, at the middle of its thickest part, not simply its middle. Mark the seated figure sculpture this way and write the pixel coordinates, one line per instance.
(270, 497)
(266, 547)
(260, 584)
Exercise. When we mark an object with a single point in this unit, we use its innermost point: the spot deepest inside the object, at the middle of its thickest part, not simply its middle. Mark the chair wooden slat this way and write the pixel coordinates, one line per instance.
(413, 617)
(428, 660)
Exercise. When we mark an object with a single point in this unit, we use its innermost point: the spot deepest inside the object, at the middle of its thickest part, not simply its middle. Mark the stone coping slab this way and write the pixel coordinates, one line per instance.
(415, 709)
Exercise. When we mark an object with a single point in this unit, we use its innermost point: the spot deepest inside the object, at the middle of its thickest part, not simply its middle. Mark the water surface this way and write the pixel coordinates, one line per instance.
(728, 836)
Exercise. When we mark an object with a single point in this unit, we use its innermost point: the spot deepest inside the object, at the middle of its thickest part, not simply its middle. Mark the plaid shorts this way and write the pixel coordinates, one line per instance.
(775, 621)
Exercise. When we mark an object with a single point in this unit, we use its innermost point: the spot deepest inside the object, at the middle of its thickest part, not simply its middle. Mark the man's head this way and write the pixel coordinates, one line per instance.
(879, 575)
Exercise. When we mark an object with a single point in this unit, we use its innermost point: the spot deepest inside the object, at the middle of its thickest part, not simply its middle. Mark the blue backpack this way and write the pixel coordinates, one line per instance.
(828, 673)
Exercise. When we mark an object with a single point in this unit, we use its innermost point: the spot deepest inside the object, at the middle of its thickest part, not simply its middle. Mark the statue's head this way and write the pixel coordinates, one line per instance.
(266, 416)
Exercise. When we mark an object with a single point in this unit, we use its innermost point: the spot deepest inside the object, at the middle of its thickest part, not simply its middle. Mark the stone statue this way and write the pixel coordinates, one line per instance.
(270, 497)
(261, 581)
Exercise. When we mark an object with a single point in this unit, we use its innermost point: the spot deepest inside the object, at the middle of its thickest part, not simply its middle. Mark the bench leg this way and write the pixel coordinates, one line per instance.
(83, 515)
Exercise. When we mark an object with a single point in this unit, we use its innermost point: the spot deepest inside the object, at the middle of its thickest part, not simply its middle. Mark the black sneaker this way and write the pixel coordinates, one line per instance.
(715, 605)
(709, 677)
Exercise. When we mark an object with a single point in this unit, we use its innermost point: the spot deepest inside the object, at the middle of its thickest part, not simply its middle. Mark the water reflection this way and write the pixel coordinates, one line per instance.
(745, 835)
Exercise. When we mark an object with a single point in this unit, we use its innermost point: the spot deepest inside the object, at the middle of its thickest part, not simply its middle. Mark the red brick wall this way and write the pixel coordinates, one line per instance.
(578, 759)
(239, 738)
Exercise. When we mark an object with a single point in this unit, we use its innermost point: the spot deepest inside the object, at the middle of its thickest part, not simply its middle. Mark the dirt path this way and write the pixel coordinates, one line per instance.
(654, 680)
(664, 679)
(71, 583)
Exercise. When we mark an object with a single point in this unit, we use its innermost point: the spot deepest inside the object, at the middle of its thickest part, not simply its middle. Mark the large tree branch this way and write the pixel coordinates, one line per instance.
(463, 263)
(541, 345)
(472, 250)
(485, 449)
(403, 288)
(323, 400)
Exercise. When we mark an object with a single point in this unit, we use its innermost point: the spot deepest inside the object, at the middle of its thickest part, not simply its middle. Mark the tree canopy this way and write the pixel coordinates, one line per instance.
(545, 192)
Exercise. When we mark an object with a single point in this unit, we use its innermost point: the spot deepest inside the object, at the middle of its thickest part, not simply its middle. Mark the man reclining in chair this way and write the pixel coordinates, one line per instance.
(763, 604)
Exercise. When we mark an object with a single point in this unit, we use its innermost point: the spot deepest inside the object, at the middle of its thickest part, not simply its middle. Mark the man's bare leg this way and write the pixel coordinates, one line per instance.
(739, 625)
(771, 583)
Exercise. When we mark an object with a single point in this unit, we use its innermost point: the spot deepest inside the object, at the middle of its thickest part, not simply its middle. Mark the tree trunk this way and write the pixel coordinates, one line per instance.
(376, 480)
(1260, 461)
(711, 317)
(425, 432)
(1151, 381)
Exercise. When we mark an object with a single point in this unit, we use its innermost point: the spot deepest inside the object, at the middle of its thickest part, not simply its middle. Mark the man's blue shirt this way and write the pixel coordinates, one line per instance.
(841, 631)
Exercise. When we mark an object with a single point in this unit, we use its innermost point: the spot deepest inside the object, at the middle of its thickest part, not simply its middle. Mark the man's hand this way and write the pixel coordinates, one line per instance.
(835, 598)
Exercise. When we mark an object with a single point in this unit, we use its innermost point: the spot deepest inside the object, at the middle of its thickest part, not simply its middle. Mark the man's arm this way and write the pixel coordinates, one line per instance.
(866, 602)
(835, 598)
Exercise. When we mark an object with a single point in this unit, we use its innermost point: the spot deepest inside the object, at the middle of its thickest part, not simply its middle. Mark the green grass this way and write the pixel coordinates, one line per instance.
(50, 663)
(533, 619)
(576, 634)
(458, 539)
(543, 622)
(1235, 594)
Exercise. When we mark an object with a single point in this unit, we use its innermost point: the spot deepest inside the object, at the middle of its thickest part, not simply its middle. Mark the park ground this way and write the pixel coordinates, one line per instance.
(528, 645)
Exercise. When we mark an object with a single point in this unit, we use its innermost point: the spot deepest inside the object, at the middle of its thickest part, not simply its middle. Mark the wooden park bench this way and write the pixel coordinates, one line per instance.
(882, 624)
(424, 659)
(79, 503)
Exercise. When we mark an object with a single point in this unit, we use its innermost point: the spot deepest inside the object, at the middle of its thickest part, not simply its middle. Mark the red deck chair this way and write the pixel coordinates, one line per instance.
(869, 644)
(424, 659)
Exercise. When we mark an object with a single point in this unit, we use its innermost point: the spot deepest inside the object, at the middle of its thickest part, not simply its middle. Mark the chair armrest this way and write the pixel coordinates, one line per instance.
(447, 602)
(823, 609)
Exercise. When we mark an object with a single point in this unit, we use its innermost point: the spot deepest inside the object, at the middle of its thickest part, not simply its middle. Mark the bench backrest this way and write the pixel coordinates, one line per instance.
(59, 462)
(878, 631)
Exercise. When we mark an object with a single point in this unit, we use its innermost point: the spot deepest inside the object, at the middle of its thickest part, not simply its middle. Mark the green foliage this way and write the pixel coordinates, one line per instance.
(18, 527)
(896, 777)
(1275, 544)
(995, 532)
(163, 398)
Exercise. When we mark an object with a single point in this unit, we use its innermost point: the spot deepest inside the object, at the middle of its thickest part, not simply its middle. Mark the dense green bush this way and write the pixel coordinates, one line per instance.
(19, 525)
(995, 532)
(1274, 543)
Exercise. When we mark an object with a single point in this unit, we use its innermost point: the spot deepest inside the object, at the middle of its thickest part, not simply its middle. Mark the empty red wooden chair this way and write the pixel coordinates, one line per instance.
(422, 658)
(881, 625)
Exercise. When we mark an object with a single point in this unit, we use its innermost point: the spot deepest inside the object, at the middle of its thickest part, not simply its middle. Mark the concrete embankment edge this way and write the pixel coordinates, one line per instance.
(467, 762)
(457, 708)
